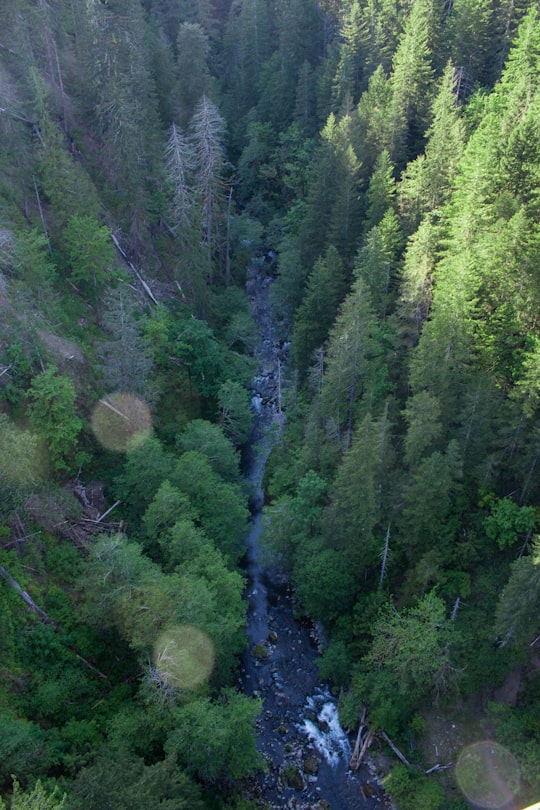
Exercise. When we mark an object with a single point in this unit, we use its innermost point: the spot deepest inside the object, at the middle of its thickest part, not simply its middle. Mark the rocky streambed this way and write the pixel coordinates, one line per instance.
(305, 749)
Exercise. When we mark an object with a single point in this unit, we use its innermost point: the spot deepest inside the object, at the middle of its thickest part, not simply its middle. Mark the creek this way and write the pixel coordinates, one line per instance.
(298, 732)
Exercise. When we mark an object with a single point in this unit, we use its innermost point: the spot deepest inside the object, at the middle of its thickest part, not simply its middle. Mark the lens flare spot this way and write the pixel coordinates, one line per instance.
(184, 656)
(488, 774)
(121, 422)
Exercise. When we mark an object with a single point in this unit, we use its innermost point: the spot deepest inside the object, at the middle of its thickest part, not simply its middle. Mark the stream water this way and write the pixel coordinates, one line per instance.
(299, 736)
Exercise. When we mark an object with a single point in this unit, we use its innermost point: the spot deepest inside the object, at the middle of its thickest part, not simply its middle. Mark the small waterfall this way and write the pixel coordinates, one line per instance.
(325, 731)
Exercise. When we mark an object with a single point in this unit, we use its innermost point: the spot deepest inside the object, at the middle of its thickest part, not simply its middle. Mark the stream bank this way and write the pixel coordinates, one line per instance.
(306, 750)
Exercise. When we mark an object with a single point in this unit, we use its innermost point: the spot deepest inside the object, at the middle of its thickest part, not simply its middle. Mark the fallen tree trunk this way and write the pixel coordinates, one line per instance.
(395, 749)
(29, 602)
(25, 596)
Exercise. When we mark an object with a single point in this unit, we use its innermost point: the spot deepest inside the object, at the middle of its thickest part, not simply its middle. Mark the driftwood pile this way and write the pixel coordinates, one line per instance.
(365, 738)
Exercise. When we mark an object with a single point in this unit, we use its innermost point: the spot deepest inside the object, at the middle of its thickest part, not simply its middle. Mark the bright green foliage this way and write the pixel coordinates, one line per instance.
(89, 250)
(426, 182)
(167, 508)
(373, 132)
(295, 522)
(508, 522)
(214, 739)
(415, 293)
(221, 506)
(209, 440)
(381, 191)
(182, 543)
(124, 589)
(412, 85)
(19, 464)
(411, 646)
(36, 799)
(51, 412)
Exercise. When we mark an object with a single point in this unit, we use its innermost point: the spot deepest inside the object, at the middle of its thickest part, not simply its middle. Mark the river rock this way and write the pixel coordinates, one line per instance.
(259, 651)
(291, 776)
(311, 766)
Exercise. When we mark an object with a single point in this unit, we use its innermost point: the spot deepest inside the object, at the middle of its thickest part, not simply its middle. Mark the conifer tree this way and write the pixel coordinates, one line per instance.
(324, 290)
(207, 137)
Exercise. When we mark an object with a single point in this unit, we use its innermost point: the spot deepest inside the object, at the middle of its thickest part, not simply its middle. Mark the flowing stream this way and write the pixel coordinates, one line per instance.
(299, 735)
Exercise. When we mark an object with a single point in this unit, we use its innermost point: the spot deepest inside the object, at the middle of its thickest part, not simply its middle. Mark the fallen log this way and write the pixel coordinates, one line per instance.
(143, 283)
(370, 736)
(44, 617)
(395, 749)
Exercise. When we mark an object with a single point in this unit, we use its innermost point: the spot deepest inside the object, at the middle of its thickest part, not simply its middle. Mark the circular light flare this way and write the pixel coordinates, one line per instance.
(488, 775)
(184, 656)
(121, 422)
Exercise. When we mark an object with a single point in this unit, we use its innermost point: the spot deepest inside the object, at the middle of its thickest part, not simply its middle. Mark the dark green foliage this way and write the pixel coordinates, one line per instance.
(214, 739)
(412, 790)
(314, 317)
(122, 781)
(400, 207)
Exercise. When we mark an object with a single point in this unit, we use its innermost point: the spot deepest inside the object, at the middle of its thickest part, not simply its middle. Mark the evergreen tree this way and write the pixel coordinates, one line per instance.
(193, 80)
(354, 369)
(324, 289)
(350, 522)
(412, 85)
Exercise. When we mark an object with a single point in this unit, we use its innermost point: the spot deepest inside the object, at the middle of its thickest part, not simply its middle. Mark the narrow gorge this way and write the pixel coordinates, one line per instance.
(299, 735)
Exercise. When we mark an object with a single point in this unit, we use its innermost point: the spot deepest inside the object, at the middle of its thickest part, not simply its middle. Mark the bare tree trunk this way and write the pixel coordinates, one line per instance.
(395, 749)
(43, 616)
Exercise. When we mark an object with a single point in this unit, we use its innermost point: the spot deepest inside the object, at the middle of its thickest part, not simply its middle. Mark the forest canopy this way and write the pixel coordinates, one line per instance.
(384, 160)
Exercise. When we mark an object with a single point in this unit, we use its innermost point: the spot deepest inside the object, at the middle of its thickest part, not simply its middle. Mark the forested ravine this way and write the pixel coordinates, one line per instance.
(306, 750)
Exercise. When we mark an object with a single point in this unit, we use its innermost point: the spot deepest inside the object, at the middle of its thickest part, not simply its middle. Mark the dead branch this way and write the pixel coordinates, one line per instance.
(143, 283)
(395, 749)
(439, 767)
(44, 617)
(370, 736)
(108, 512)
(25, 596)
